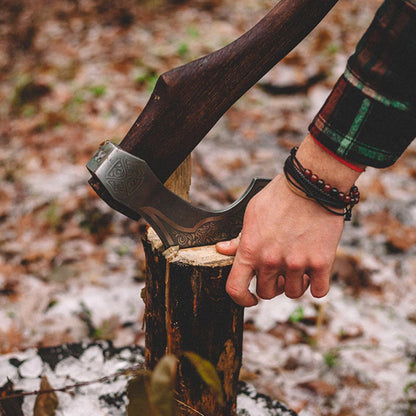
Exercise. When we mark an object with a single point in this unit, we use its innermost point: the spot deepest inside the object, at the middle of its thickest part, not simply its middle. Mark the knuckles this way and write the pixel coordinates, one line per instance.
(235, 292)
(265, 294)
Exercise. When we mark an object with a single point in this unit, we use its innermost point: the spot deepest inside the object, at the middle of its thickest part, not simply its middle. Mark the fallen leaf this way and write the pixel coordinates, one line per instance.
(399, 237)
(162, 384)
(348, 270)
(208, 374)
(46, 403)
(138, 400)
(320, 387)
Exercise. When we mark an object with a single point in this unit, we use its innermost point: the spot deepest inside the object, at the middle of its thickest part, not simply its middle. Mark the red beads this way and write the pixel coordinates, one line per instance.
(328, 196)
(351, 198)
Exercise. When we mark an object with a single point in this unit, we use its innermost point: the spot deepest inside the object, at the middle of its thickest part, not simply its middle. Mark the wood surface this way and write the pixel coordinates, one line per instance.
(187, 309)
(180, 180)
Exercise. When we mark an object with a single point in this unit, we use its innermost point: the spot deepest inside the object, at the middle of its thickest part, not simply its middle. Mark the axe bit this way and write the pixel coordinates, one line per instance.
(130, 181)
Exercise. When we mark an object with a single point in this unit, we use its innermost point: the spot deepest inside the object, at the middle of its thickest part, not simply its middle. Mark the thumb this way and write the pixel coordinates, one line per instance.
(229, 248)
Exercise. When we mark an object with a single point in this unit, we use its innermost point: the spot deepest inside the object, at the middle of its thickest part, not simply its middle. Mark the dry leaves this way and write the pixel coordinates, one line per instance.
(320, 387)
(348, 270)
(46, 403)
(399, 237)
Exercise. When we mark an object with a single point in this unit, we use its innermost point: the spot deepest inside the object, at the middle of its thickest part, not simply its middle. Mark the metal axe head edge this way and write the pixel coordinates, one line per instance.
(130, 181)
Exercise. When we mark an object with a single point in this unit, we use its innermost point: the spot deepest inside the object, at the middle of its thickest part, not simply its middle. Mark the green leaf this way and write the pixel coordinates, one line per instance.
(183, 49)
(139, 404)
(98, 90)
(208, 374)
(162, 385)
(297, 315)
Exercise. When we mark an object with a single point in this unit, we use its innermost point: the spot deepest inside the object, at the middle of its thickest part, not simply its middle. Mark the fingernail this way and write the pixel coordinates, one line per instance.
(224, 244)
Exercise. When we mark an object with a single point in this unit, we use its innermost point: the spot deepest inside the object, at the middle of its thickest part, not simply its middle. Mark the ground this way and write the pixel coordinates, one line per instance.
(74, 73)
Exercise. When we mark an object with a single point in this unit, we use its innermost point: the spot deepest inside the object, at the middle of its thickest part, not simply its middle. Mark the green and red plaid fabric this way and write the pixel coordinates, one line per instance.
(370, 115)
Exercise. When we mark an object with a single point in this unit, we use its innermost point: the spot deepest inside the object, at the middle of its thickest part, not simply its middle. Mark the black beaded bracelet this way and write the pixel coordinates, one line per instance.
(315, 188)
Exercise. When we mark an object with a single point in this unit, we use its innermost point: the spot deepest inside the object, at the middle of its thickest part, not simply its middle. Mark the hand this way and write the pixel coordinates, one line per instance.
(287, 242)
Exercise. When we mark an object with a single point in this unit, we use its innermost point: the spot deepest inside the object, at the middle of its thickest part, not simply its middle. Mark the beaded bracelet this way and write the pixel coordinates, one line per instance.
(315, 188)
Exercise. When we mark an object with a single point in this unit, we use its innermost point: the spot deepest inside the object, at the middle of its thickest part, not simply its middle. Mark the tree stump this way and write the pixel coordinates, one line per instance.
(187, 309)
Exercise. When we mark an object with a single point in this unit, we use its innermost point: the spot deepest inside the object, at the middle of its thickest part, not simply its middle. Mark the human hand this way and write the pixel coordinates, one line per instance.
(287, 241)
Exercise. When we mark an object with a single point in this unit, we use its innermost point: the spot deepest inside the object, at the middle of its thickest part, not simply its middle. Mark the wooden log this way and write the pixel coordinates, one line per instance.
(180, 180)
(187, 309)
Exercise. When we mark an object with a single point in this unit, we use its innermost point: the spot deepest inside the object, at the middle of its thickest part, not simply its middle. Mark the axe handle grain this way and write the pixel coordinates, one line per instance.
(187, 101)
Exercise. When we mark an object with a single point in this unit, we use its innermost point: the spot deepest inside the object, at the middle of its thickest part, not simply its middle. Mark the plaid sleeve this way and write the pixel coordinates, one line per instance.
(370, 115)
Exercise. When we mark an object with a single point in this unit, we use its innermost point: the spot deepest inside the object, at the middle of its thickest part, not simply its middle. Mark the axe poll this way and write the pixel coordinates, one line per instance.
(185, 104)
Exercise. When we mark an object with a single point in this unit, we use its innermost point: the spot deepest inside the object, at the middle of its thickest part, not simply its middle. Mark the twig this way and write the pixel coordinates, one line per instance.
(189, 407)
(292, 89)
(73, 386)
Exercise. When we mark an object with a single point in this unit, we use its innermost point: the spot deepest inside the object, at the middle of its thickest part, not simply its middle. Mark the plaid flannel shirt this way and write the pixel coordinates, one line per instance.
(370, 115)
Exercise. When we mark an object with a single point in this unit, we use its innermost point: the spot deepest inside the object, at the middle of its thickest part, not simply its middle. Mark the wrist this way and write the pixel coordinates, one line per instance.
(334, 196)
(326, 166)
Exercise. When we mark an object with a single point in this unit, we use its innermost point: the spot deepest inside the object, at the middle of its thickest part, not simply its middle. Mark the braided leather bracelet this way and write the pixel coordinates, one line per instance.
(315, 188)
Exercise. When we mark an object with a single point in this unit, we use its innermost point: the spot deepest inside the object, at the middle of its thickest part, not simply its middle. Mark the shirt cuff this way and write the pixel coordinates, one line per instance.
(370, 115)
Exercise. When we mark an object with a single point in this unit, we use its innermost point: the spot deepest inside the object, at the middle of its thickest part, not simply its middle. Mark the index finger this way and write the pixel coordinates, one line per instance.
(238, 283)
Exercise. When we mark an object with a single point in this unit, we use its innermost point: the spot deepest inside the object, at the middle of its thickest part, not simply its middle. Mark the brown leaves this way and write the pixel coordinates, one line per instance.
(153, 394)
(11, 339)
(139, 404)
(320, 387)
(208, 374)
(349, 270)
(47, 402)
(399, 237)
(162, 385)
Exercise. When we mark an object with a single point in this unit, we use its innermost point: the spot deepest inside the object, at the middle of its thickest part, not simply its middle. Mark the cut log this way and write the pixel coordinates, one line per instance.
(187, 309)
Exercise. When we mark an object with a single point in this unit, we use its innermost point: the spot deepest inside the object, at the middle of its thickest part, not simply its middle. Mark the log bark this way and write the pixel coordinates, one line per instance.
(187, 309)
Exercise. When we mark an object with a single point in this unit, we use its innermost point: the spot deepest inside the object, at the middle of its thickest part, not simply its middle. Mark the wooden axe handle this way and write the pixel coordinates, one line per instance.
(187, 101)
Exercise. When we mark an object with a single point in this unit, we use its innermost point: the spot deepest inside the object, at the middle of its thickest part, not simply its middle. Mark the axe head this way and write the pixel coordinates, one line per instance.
(130, 182)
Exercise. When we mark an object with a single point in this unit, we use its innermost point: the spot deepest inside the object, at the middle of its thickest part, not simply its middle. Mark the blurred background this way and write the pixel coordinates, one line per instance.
(77, 72)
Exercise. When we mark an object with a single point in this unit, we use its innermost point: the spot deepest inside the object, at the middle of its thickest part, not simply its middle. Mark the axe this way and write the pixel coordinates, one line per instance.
(185, 104)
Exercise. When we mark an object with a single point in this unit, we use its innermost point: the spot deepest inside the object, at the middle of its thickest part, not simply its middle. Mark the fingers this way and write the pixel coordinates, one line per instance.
(241, 274)
(269, 285)
(319, 279)
(282, 278)
(293, 282)
(229, 248)
(294, 285)
(238, 283)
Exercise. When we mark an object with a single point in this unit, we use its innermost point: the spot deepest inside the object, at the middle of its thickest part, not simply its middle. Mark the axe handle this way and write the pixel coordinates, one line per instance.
(187, 101)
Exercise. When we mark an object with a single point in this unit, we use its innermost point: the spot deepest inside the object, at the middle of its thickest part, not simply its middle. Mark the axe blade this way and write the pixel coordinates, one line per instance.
(130, 181)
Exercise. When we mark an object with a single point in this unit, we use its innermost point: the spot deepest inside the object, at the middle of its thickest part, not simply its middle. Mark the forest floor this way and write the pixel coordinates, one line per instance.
(74, 73)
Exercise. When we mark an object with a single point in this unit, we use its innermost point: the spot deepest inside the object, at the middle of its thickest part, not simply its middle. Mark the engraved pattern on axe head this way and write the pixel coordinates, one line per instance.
(209, 233)
(125, 177)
